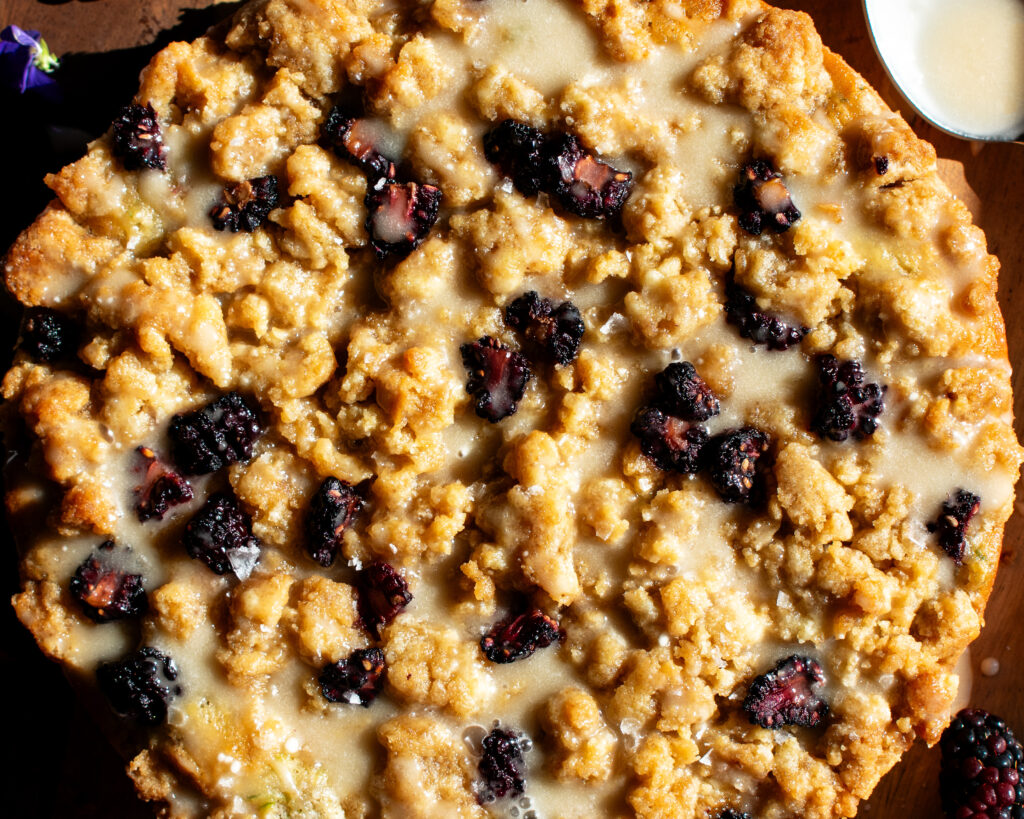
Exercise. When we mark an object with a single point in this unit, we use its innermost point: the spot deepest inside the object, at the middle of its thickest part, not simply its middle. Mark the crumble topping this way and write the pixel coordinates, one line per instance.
(602, 405)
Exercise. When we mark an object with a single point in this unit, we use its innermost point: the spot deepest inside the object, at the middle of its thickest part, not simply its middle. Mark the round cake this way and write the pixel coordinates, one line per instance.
(512, 408)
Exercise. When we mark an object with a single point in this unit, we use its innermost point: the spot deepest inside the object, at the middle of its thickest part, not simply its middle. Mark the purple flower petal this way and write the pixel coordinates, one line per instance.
(34, 78)
(14, 69)
(20, 36)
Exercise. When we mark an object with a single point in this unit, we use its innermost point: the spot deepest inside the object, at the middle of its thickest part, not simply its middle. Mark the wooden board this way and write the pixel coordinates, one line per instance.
(116, 38)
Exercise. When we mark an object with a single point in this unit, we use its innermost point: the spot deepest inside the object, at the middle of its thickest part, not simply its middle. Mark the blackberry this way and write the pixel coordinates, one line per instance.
(138, 142)
(732, 813)
(502, 766)
(383, 593)
(951, 526)
(357, 679)
(787, 695)
(399, 216)
(742, 312)
(245, 205)
(763, 199)
(47, 335)
(516, 148)
(332, 510)
(161, 488)
(560, 165)
(140, 685)
(684, 393)
(519, 635)
(673, 444)
(881, 164)
(667, 428)
(105, 590)
(219, 434)
(352, 137)
(845, 405)
(556, 331)
(736, 462)
(497, 377)
(583, 183)
(982, 772)
(220, 535)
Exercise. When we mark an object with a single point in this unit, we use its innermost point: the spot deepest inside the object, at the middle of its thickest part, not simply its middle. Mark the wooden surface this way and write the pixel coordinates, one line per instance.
(109, 41)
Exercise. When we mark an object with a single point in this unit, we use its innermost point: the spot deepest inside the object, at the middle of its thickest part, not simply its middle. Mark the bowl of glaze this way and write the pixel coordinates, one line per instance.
(958, 63)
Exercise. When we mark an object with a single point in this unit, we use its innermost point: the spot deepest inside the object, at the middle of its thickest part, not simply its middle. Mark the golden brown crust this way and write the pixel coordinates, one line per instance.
(671, 600)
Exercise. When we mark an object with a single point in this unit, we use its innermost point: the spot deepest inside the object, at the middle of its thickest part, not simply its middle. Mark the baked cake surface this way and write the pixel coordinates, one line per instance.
(710, 530)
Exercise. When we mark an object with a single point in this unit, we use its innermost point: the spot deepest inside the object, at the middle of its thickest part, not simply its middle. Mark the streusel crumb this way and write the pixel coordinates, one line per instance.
(580, 409)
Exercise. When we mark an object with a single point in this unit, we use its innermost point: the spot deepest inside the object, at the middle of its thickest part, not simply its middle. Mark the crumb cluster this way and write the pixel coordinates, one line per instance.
(417, 427)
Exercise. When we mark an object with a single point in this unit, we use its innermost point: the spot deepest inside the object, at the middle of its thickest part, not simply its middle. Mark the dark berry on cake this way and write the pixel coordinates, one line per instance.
(556, 331)
(220, 535)
(731, 813)
(497, 377)
(245, 205)
(736, 462)
(140, 685)
(681, 391)
(667, 428)
(951, 526)
(357, 679)
(787, 695)
(502, 766)
(516, 148)
(742, 311)
(219, 434)
(105, 590)
(670, 442)
(982, 768)
(845, 405)
(47, 334)
(332, 511)
(519, 635)
(138, 142)
(560, 165)
(399, 216)
(583, 183)
(352, 137)
(763, 199)
(383, 593)
(161, 487)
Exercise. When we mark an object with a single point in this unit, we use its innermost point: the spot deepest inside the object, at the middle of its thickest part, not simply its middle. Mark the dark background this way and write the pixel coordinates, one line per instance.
(57, 762)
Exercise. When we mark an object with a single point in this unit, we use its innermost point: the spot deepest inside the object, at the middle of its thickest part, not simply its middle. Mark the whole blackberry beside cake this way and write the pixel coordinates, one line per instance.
(982, 768)
(488, 406)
